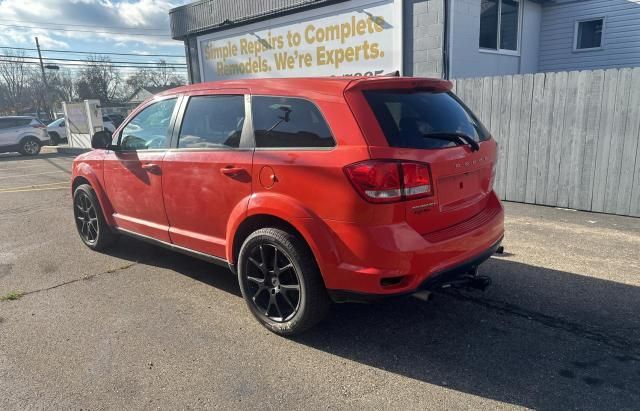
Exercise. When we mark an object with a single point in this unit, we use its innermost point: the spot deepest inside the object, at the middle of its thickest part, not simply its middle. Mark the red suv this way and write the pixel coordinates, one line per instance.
(312, 190)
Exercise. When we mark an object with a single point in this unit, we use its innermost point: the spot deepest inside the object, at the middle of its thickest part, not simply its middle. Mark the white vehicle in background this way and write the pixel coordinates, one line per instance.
(22, 134)
(57, 130)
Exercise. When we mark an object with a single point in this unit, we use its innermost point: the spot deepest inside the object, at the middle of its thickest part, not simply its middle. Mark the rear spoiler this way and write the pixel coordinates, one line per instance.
(399, 83)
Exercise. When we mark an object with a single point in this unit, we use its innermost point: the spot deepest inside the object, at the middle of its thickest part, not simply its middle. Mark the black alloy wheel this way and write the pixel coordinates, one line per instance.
(272, 283)
(92, 227)
(280, 281)
(86, 218)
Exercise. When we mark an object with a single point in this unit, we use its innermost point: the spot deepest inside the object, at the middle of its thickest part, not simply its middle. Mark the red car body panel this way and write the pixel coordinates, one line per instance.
(192, 203)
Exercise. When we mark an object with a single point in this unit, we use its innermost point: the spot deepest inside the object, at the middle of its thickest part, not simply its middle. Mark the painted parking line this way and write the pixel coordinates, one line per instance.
(34, 187)
(43, 164)
(34, 174)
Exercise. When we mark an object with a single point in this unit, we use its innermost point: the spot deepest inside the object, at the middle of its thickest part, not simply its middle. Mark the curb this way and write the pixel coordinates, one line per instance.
(69, 150)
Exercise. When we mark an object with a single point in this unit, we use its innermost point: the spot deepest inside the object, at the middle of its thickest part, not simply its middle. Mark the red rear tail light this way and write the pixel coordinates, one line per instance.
(417, 180)
(36, 125)
(388, 181)
(376, 181)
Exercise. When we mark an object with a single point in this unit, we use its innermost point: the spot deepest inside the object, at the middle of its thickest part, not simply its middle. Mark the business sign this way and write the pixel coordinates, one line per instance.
(351, 38)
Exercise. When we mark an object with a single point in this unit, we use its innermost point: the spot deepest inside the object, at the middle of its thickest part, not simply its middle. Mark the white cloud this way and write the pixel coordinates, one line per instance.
(128, 17)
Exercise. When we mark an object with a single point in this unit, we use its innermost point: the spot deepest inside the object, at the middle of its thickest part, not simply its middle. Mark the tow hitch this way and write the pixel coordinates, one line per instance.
(470, 280)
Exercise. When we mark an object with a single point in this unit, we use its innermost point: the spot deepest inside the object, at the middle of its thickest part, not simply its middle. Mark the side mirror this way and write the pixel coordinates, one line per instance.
(101, 139)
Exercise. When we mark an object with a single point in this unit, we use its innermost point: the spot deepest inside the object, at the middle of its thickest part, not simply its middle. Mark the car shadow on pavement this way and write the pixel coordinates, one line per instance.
(525, 342)
(140, 252)
(538, 338)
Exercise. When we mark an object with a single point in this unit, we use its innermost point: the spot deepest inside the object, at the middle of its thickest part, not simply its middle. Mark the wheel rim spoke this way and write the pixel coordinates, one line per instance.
(287, 300)
(263, 257)
(260, 290)
(259, 281)
(276, 271)
(275, 303)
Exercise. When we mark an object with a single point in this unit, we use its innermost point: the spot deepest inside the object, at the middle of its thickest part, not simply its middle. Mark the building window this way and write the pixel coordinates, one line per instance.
(499, 25)
(589, 34)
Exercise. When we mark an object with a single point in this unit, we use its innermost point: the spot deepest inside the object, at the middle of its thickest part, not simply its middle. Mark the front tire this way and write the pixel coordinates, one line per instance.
(280, 282)
(30, 146)
(55, 138)
(93, 229)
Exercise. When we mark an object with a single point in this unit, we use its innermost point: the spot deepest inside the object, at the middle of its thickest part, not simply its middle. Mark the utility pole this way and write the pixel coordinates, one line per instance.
(44, 80)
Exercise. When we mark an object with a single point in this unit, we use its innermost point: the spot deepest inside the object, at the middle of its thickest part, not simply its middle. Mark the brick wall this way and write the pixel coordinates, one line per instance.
(423, 33)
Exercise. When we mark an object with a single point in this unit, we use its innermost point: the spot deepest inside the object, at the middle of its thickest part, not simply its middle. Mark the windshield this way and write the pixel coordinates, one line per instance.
(408, 119)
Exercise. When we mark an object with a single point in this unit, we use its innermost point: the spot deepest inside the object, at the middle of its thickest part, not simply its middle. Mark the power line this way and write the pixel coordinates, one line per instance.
(85, 31)
(109, 62)
(95, 53)
(85, 64)
(83, 25)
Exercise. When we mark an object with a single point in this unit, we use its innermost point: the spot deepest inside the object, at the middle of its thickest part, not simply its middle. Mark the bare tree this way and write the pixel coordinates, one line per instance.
(63, 86)
(100, 79)
(160, 76)
(15, 75)
(165, 76)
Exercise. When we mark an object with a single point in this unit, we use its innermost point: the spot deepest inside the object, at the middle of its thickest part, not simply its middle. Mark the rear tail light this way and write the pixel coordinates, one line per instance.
(388, 181)
(38, 125)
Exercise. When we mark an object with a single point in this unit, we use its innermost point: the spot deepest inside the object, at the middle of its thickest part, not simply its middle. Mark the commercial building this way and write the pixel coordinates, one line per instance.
(227, 39)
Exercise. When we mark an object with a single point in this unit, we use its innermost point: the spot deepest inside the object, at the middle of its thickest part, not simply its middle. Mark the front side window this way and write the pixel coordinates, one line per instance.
(149, 128)
(212, 122)
(289, 122)
(589, 34)
(423, 119)
(499, 24)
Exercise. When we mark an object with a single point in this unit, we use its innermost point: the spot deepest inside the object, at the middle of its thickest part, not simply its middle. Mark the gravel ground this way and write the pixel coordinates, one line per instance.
(141, 327)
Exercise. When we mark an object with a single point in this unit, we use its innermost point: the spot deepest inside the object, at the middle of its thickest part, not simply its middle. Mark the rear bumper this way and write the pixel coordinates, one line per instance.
(431, 283)
(395, 260)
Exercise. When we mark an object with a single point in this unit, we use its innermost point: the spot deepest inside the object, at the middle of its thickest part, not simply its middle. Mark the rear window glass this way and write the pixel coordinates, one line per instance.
(289, 122)
(408, 119)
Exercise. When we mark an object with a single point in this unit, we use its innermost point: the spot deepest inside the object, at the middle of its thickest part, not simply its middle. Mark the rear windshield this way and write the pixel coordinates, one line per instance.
(408, 118)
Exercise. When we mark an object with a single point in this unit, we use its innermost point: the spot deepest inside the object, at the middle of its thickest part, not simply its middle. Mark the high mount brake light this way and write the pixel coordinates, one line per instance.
(388, 181)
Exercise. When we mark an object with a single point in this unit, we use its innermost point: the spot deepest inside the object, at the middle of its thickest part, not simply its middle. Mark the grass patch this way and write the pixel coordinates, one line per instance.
(12, 296)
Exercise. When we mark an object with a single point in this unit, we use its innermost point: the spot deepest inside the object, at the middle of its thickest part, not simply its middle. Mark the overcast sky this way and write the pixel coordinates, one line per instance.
(133, 26)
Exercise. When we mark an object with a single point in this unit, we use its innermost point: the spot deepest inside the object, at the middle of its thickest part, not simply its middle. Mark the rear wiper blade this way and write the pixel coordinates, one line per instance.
(455, 138)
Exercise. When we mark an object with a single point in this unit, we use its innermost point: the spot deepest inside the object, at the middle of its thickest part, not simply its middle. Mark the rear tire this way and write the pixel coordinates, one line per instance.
(93, 229)
(280, 282)
(55, 138)
(30, 146)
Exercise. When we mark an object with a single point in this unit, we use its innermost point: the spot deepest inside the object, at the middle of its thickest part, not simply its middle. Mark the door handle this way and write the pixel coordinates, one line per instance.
(152, 168)
(231, 171)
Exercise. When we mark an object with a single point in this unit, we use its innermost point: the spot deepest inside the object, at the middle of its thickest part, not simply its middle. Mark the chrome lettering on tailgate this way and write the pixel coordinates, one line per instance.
(472, 162)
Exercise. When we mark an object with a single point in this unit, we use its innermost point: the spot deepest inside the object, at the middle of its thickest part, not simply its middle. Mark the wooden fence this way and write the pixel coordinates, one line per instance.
(565, 139)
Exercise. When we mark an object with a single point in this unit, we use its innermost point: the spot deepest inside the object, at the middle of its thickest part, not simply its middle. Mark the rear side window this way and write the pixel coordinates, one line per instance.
(5, 123)
(423, 120)
(212, 122)
(289, 122)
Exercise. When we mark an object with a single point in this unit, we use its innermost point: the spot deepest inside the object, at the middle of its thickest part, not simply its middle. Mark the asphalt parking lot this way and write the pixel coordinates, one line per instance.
(141, 327)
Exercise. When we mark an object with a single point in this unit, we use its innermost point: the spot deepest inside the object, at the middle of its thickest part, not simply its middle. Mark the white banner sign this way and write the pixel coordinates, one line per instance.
(353, 38)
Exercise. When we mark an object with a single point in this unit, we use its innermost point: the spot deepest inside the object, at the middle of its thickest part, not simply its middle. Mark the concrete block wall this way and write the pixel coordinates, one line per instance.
(423, 37)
